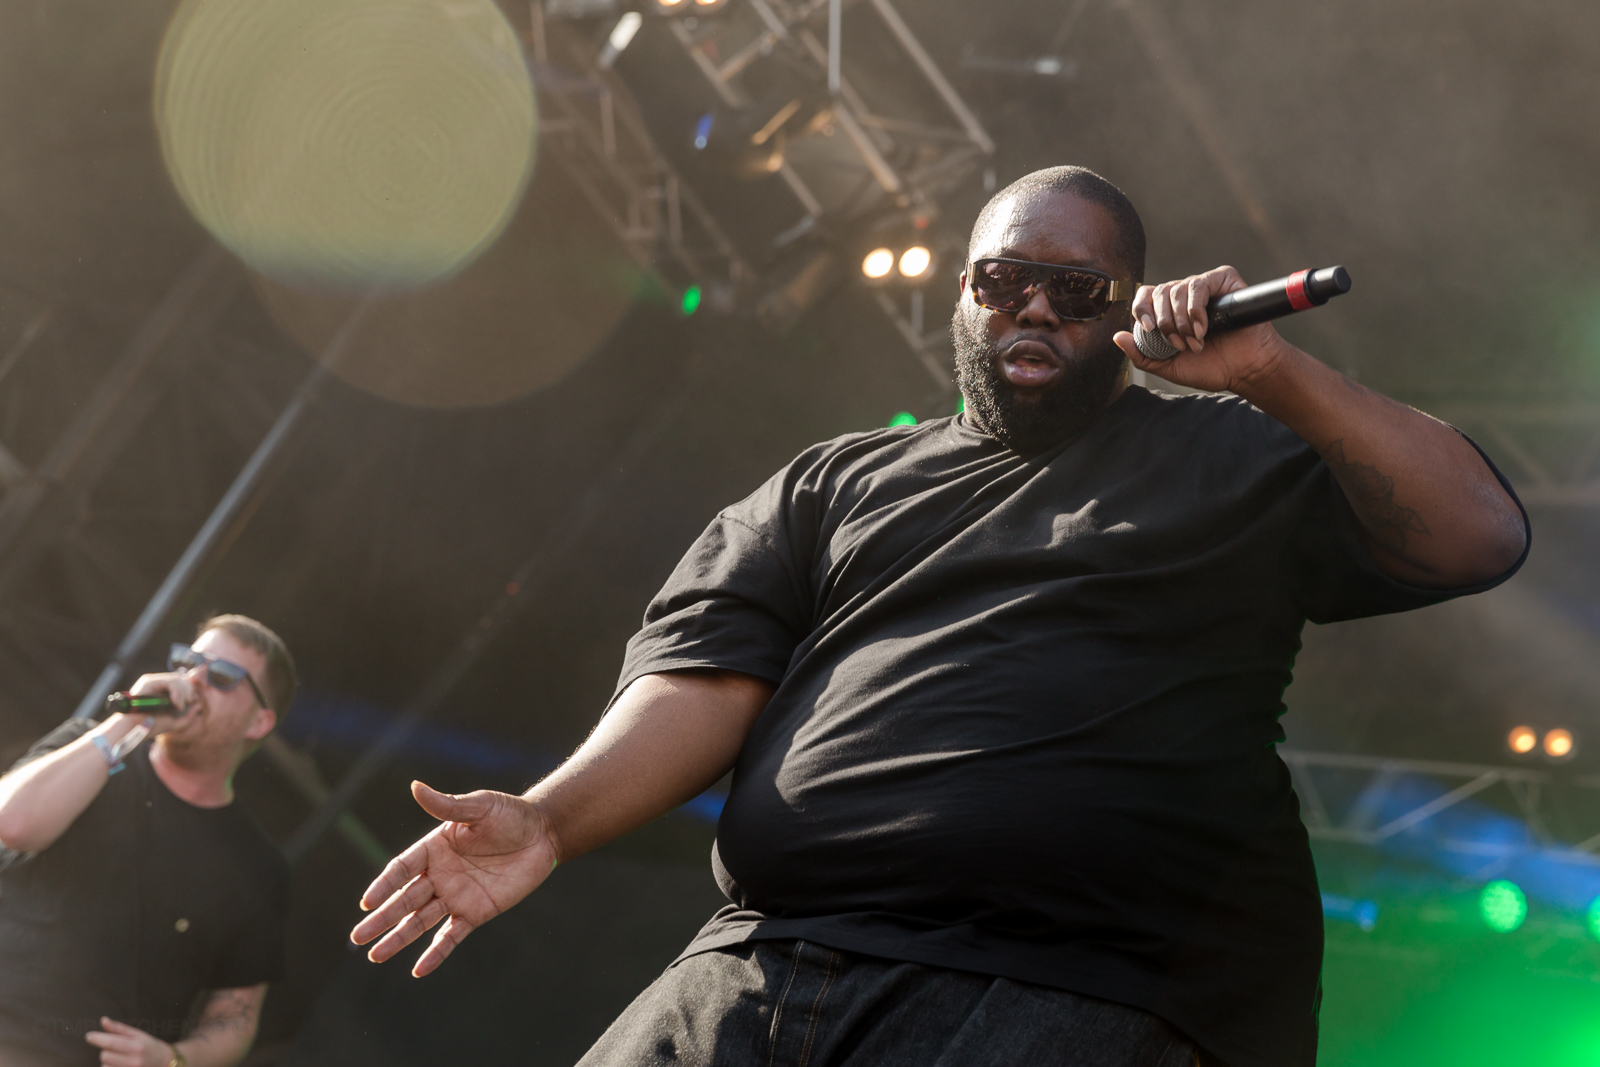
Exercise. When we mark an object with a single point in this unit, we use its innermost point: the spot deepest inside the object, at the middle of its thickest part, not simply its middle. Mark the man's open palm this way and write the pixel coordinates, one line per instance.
(491, 850)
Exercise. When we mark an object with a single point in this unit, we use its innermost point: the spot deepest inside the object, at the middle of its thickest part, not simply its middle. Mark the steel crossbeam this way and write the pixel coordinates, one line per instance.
(1527, 787)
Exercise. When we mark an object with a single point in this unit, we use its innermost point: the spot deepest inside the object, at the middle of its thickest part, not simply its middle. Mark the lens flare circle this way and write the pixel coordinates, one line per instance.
(347, 144)
(1522, 740)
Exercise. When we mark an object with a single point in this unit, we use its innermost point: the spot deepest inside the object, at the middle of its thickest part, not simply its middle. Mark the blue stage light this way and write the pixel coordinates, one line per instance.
(1364, 913)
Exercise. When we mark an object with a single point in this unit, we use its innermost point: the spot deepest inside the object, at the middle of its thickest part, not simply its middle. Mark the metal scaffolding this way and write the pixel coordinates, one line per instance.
(67, 578)
(858, 156)
(66, 581)
(1529, 789)
(587, 124)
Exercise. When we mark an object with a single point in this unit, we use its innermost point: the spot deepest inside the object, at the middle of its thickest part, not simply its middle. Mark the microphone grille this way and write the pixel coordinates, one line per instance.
(1152, 344)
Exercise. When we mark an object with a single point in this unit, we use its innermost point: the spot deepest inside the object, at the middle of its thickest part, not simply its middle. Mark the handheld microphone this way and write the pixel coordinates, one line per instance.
(158, 704)
(1258, 303)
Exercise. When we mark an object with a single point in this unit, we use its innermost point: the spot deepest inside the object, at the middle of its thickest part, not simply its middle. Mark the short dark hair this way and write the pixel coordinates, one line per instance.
(1086, 185)
(281, 680)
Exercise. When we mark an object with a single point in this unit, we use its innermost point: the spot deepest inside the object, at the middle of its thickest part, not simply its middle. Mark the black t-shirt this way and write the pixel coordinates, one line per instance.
(1027, 707)
(145, 903)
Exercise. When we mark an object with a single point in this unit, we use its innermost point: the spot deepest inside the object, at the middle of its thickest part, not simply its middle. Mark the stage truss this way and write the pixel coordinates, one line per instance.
(1528, 788)
(857, 158)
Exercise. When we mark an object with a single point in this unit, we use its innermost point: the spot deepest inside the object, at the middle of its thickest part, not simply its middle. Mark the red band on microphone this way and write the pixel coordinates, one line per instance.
(1297, 291)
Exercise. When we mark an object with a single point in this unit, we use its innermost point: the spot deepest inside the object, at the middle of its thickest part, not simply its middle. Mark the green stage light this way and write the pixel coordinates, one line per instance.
(691, 299)
(1503, 906)
(1593, 924)
(905, 418)
(961, 404)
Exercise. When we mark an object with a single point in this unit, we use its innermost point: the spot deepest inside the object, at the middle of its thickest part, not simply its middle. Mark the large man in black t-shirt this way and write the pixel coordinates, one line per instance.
(135, 896)
(1000, 692)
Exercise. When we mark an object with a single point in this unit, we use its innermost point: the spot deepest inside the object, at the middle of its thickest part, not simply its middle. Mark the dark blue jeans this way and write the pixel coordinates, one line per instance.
(800, 1004)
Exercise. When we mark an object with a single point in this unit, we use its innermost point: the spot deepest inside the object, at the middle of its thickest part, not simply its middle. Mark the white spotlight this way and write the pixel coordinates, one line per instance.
(621, 36)
(1559, 744)
(878, 264)
(915, 261)
(1522, 740)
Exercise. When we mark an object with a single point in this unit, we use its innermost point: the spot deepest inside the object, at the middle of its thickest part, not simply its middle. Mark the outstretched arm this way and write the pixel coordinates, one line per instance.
(41, 799)
(667, 738)
(1432, 512)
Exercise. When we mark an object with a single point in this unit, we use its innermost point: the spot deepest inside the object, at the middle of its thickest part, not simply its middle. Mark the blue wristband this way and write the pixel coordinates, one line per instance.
(113, 765)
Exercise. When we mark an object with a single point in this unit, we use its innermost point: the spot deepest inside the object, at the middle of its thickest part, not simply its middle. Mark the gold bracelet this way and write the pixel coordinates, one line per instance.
(178, 1058)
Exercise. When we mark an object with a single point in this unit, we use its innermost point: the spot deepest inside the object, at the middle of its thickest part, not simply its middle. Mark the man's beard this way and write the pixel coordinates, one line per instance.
(1060, 414)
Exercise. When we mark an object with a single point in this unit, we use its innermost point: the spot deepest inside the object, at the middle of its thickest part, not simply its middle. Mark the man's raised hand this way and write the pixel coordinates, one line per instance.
(178, 688)
(1177, 310)
(491, 850)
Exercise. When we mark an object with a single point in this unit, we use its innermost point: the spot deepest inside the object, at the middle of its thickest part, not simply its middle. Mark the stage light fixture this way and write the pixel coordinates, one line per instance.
(1522, 740)
(621, 37)
(622, 33)
(1559, 744)
(878, 264)
(915, 261)
(1503, 906)
(904, 418)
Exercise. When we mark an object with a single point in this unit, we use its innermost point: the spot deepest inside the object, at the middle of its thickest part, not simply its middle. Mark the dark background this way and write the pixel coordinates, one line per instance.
(1444, 153)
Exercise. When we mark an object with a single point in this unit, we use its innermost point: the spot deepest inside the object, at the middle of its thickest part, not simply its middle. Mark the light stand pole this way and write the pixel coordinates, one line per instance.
(222, 516)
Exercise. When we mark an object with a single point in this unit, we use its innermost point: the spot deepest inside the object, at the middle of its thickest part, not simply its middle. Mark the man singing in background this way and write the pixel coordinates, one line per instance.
(1000, 693)
(133, 890)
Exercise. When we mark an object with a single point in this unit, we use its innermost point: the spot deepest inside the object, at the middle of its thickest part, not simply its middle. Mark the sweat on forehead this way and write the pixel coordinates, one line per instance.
(1034, 203)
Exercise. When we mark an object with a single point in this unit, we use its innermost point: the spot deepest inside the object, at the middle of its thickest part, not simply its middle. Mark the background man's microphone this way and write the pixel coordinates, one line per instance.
(155, 704)
(127, 703)
(1270, 300)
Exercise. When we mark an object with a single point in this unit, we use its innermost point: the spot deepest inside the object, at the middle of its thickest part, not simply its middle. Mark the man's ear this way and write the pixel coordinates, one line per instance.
(261, 724)
(963, 286)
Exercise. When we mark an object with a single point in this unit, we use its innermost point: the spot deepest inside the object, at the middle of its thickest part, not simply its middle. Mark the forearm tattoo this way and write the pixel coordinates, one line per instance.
(229, 1014)
(1371, 494)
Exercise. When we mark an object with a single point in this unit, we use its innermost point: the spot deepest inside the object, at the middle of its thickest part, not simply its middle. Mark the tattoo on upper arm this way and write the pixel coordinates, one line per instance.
(1371, 493)
(230, 1011)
